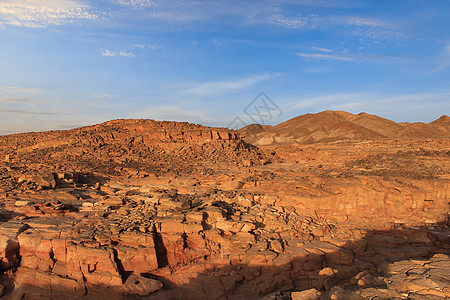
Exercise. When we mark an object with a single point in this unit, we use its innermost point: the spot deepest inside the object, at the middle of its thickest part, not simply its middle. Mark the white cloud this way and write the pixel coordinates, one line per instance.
(137, 3)
(359, 21)
(322, 49)
(39, 14)
(218, 87)
(322, 56)
(144, 46)
(370, 28)
(109, 53)
(126, 54)
(293, 23)
(290, 14)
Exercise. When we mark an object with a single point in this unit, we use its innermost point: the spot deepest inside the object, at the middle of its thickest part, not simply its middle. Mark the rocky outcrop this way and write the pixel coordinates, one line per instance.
(128, 148)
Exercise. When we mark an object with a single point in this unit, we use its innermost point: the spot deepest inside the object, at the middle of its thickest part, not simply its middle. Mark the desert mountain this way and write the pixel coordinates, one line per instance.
(442, 121)
(331, 126)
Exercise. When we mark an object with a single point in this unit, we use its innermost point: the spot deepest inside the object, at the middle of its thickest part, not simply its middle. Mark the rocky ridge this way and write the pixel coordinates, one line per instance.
(139, 148)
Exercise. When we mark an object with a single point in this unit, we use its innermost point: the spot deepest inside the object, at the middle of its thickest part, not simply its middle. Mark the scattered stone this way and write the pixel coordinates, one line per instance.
(276, 246)
(123, 211)
(112, 201)
(310, 294)
(138, 285)
(187, 204)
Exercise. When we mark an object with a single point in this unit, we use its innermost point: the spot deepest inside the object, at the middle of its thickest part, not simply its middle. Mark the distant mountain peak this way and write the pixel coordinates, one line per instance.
(329, 125)
(444, 120)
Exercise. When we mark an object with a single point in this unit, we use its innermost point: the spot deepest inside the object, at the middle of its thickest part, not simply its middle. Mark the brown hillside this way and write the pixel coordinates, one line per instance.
(330, 126)
(442, 121)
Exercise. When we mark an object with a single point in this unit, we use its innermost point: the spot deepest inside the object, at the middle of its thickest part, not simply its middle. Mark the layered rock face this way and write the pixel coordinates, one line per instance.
(96, 213)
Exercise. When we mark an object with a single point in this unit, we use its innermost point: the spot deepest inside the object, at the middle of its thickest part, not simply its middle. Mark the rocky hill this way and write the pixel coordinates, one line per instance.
(331, 126)
(134, 148)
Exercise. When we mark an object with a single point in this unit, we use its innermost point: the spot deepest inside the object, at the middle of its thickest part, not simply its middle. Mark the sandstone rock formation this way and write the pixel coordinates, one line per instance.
(133, 209)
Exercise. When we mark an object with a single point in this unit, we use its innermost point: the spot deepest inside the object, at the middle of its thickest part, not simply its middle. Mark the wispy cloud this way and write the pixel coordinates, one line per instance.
(322, 49)
(26, 112)
(14, 110)
(347, 56)
(39, 14)
(218, 87)
(359, 21)
(321, 56)
(126, 54)
(289, 14)
(371, 29)
(15, 100)
(143, 46)
(105, 96)
(18, 89)
(110, 53)
(137, 3)
(277, 18)
(443, 60)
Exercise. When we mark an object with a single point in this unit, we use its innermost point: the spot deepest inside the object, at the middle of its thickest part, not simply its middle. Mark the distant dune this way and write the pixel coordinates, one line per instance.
(331, 126)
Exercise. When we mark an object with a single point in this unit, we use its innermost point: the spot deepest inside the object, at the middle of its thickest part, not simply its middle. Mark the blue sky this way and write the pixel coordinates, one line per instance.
(69, 63)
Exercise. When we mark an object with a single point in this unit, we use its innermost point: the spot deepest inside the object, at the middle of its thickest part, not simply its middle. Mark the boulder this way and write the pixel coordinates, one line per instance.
(138, 285)
(310, 294)
(45, 180)
(276, 246)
